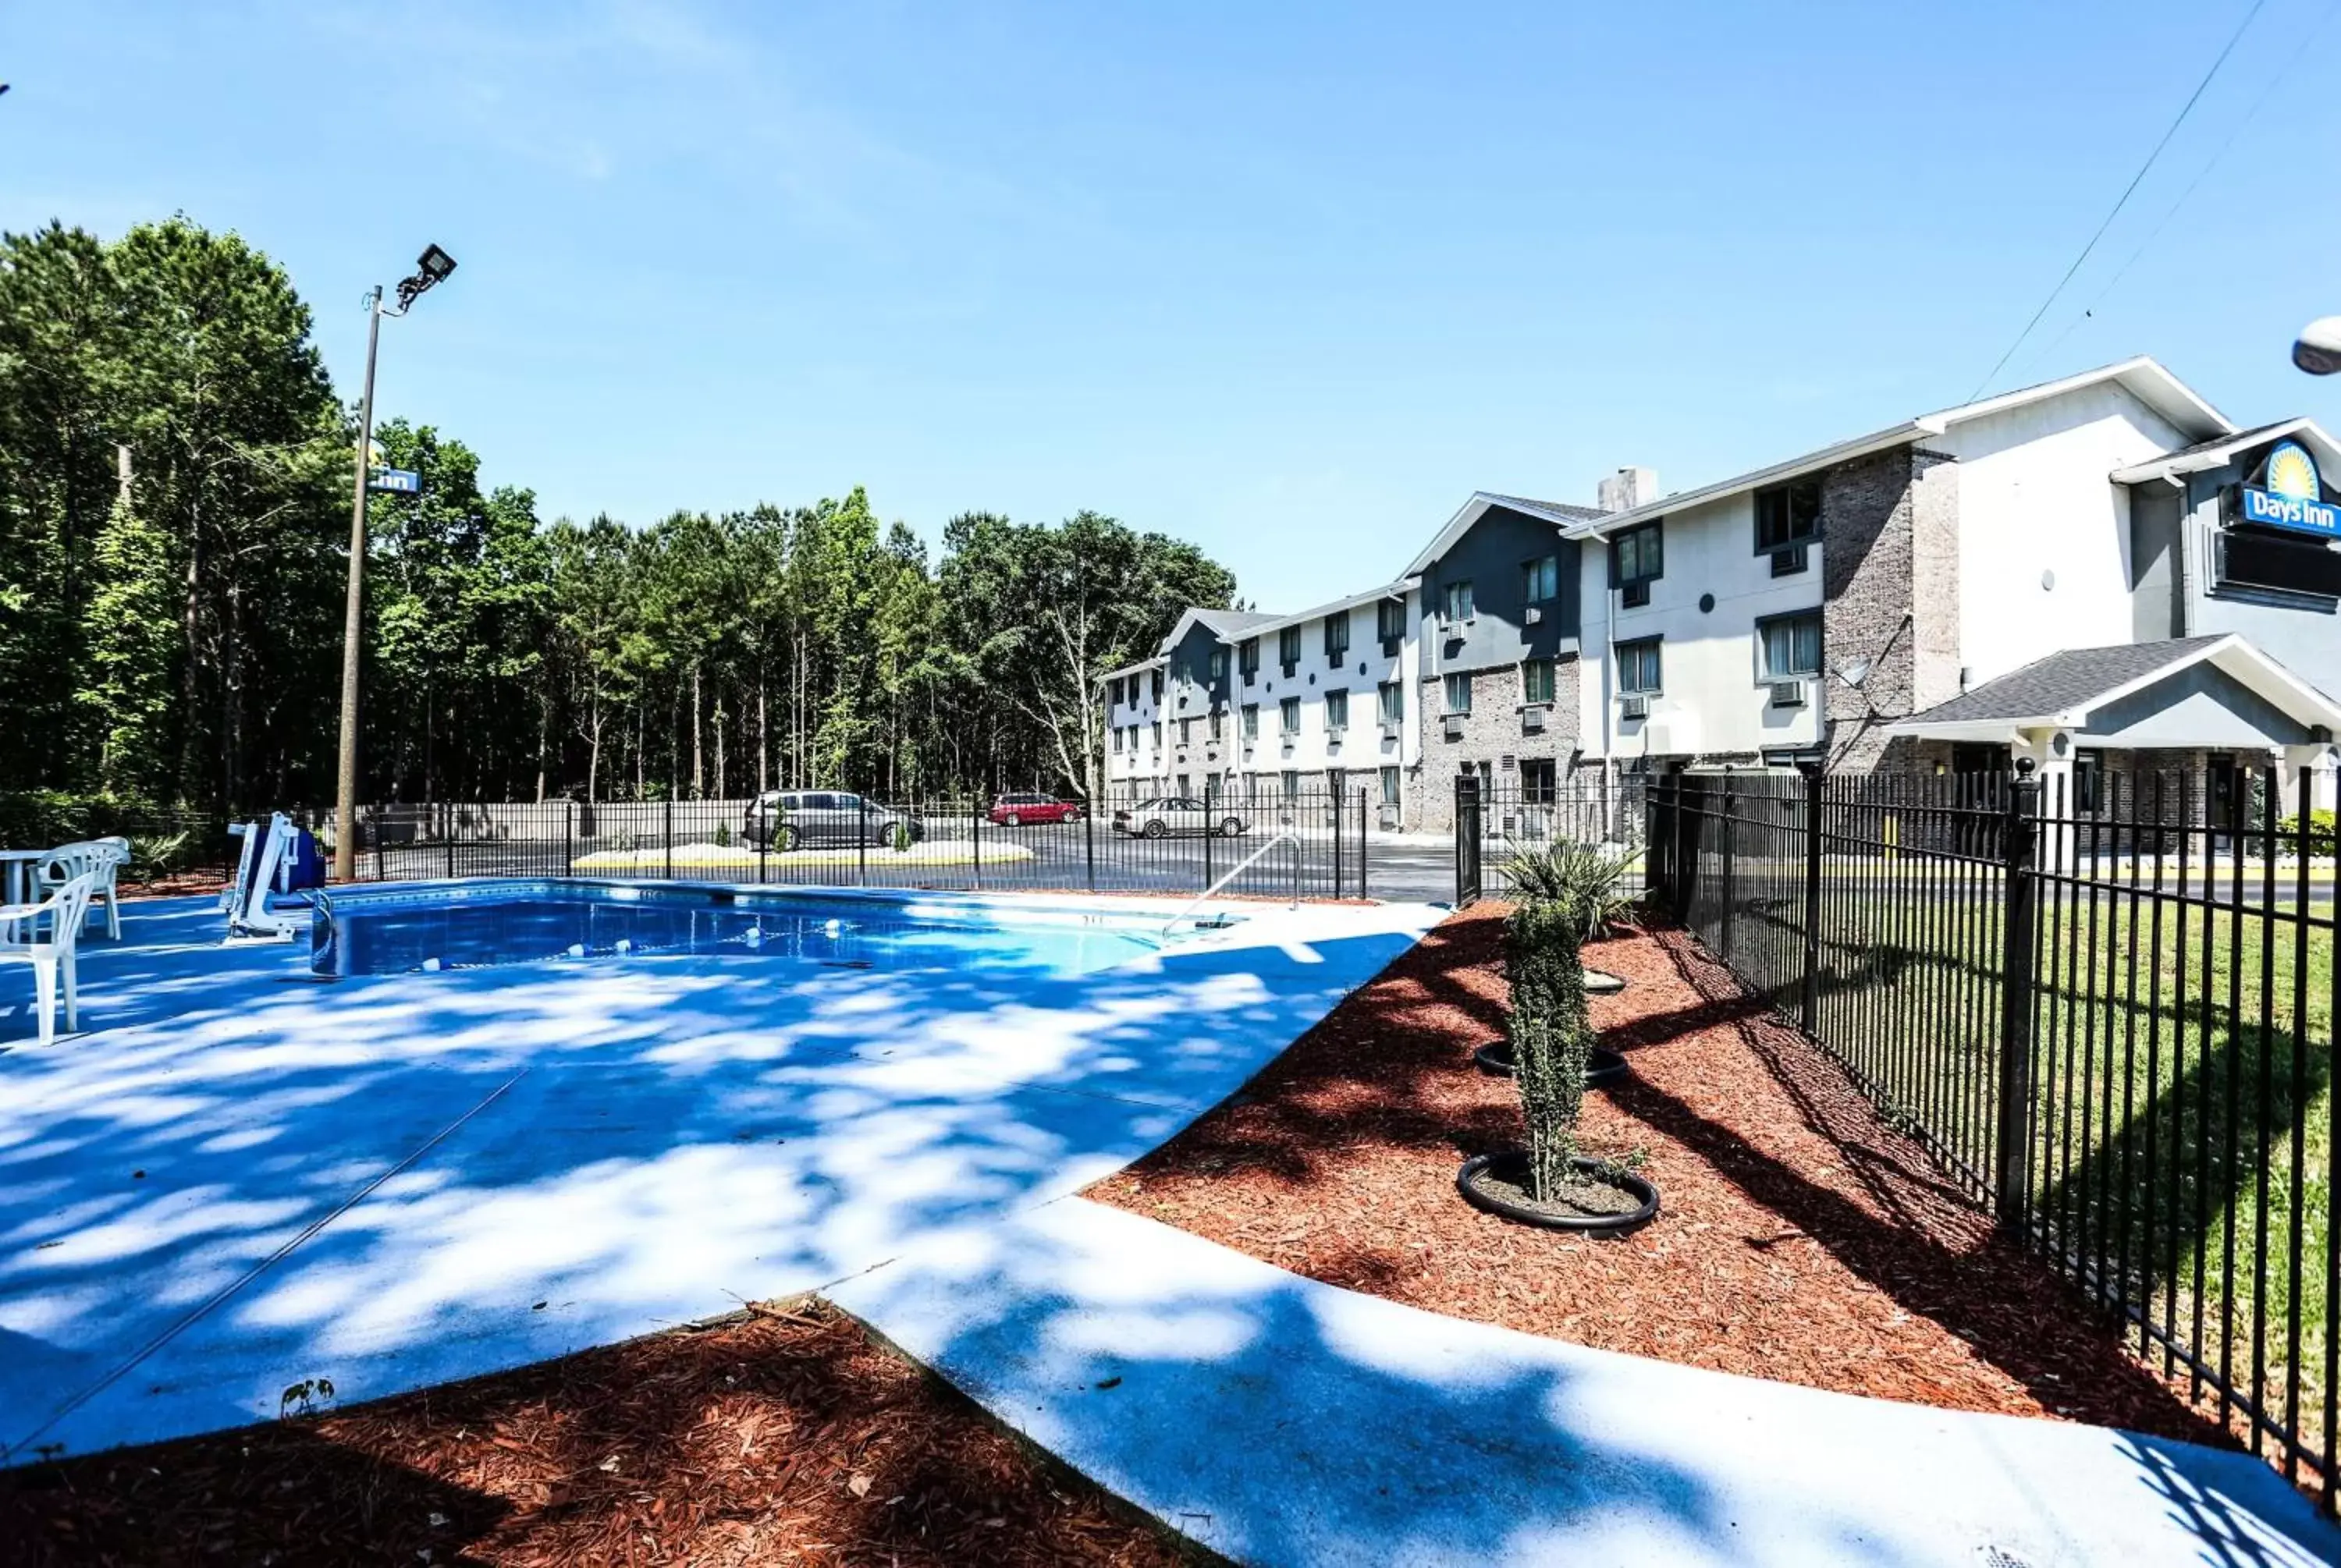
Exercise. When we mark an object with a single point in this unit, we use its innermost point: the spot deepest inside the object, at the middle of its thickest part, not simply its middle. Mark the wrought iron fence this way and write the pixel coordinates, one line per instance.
(2110, 1014)
(1308, 843)
(1494, 822)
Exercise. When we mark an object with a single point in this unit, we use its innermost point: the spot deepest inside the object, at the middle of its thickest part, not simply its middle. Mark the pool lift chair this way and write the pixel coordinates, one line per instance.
(266, 865)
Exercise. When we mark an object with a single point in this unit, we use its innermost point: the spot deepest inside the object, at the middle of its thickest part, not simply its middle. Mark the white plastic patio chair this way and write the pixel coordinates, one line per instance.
(43, 935)
(99, 859)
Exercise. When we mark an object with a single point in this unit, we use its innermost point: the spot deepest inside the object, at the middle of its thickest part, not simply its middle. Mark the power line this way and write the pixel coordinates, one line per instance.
(2307, 43)
(2127, 191)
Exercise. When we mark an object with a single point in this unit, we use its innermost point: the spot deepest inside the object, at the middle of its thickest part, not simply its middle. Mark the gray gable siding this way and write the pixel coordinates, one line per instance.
(1191, 692)
(1489, 556)
(2201, 705)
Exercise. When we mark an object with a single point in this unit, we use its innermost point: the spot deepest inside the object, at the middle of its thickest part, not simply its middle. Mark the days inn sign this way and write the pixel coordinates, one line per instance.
(2290, 496)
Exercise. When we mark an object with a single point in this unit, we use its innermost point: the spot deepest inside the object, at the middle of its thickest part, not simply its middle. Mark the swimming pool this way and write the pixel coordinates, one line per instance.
(473, 924)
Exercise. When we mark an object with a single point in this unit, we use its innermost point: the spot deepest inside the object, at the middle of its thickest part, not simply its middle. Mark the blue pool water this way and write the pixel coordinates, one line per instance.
(397, 930)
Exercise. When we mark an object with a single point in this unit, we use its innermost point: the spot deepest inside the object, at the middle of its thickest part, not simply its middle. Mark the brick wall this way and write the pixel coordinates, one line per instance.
(1871, 558)
(1492, 733)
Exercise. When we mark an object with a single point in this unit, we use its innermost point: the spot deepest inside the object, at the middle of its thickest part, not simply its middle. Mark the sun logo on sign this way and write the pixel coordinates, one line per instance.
(2291, 472)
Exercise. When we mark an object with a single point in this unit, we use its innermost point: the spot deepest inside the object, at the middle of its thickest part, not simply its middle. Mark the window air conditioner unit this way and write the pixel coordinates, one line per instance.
(1333, 733)
(1787, 694)
(1789, 562)
(1390, 728)
(1531, 720)
(1635, 595)
(1533, 615)
(1634, 705)
(1454, 725)
(1391, 646)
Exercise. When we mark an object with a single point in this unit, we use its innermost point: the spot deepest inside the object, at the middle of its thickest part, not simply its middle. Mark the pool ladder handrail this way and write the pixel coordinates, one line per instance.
(1236, 870)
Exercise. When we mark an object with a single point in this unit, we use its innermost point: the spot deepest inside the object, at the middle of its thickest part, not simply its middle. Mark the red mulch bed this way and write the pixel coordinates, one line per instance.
(787, 1437)
(1801, 1239)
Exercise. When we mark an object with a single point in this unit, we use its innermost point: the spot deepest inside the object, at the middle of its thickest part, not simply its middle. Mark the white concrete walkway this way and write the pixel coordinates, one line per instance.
(1284, 1423)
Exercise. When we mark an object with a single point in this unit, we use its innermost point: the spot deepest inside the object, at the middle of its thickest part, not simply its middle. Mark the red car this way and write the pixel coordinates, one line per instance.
(1015, 810)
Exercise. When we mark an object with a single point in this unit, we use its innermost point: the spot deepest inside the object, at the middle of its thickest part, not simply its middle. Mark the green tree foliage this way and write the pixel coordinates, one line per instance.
(1552, 1033)
(175, 482)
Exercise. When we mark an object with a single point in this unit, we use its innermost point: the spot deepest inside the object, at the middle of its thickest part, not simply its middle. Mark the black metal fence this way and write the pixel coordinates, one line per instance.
(2107, 1012)
(1494, 822)
(166, 842)
(1309, 844)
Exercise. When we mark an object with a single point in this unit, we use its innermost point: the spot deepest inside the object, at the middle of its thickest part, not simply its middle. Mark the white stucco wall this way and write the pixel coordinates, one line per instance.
(1362, 748)
(2034, 497)
(1712, 700)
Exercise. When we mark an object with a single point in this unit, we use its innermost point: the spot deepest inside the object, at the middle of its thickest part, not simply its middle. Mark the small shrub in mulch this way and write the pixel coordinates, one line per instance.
(1803, 1240)
(785, 1437)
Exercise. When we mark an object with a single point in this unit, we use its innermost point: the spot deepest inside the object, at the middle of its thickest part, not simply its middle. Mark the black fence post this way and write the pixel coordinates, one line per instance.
(1809, 1011)
(569, 837)
(449, 816)
(381, 873)
(1467, 839)
(1689, 803)
(1088, 837)
(1361, 844)
(862, 841)
(1339, 876)
(1731, 847)
(1211, 832)
(2019, 850)
(975, 839)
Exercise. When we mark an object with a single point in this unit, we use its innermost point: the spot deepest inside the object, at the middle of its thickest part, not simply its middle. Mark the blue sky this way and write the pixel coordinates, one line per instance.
(1291, 282)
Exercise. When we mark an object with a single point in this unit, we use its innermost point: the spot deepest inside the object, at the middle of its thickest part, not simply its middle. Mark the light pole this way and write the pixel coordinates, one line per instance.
(434, 265)
(2317, 350)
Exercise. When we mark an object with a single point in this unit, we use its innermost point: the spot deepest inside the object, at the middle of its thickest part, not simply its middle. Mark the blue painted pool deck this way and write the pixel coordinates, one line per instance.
(238, 1178)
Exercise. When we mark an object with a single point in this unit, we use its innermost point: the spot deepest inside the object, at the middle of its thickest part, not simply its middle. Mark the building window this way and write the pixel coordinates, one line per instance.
(1787, 514)
(1154, 741)
(1458, 694)
(1791, 646)
(1117, 740)
(1288, 649)
(1289, 716)
(1535, 680)
(1637, 667)
(1540, 580)
(1538, 775)
(1219, 665)
(1639, 557)
(1158, 686)
(1337, 637)
(1251, 721)
(1291, 786)
(1186, 730)
(1337, 711)
(1389, 619)
(1393, 701)
(1390, 786)
(1218, 717)
(1248, 657)
(1456, 604)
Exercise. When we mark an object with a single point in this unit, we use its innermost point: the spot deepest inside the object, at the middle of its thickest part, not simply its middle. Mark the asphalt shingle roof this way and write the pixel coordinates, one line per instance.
(2069, 679)
(1559, 508)
(1229, 623)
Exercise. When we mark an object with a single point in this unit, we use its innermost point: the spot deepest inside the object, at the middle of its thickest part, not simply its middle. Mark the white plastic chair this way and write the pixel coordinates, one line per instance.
(23, 941)
(99, 859)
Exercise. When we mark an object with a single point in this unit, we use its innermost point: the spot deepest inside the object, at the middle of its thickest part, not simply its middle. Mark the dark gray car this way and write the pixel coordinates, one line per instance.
(785, 819)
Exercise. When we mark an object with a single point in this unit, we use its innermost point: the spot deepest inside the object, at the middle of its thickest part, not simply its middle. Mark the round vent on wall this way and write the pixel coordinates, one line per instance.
(1705, 603)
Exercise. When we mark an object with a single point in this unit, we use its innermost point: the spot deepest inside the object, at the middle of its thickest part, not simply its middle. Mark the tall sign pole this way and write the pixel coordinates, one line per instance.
(345, 794)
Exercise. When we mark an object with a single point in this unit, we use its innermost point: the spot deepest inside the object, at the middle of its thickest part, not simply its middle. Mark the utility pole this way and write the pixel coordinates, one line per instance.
(432, 267)
(345, 793)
